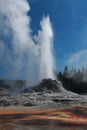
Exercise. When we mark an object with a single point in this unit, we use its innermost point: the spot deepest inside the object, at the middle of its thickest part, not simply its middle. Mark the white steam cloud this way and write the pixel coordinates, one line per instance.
(45, 39)
(25, 58)
(78, 59)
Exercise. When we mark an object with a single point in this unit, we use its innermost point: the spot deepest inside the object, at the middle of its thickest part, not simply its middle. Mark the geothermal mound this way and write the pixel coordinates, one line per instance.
(48, 85)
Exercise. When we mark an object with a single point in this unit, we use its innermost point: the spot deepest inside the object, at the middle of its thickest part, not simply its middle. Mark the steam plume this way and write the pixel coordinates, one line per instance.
(45, 39)
(25, 58)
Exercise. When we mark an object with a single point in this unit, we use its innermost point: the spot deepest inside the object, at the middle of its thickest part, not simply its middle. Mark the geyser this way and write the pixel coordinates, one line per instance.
(45, 39)
(28, 59)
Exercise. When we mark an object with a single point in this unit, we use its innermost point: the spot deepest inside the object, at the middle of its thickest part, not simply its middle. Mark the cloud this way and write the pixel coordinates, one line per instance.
(78, 59)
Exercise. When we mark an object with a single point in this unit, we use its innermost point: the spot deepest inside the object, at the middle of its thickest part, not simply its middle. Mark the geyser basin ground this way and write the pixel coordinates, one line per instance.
(73, 118)
(44, 109)
(47, 111)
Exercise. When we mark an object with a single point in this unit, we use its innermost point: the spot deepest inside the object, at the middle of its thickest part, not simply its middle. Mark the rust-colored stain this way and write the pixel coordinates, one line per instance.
(72, 116)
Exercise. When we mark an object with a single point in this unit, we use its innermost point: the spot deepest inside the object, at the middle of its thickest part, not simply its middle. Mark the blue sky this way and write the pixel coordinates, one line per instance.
(69, 20)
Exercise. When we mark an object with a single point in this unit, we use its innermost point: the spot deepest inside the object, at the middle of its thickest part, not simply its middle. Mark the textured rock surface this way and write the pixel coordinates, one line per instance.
(48, 86)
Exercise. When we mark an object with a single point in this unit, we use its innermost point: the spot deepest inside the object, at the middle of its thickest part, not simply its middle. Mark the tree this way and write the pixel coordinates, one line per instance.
(66, 72)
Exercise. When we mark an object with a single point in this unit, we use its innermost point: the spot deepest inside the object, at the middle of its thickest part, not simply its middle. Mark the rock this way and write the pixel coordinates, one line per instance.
(62, 100)
(29, 104)
(49, 85)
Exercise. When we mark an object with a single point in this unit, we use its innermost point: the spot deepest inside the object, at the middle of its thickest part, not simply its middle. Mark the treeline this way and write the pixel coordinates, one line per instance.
(74, 80)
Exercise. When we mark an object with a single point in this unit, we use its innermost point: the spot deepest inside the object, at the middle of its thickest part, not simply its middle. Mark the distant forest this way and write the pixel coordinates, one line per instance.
(74, 80)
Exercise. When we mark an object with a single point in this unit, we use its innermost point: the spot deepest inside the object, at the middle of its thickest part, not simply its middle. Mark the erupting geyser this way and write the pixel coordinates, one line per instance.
(45, 39)
(26, 58)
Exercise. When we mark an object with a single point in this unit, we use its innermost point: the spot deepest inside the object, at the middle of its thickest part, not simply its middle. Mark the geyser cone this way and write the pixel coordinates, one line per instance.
(49, 85)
